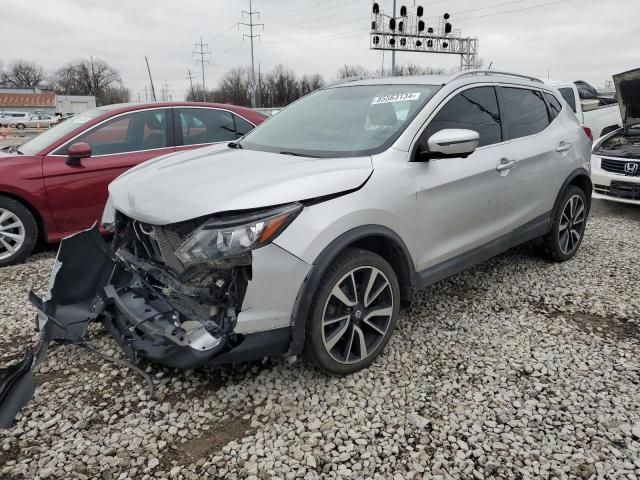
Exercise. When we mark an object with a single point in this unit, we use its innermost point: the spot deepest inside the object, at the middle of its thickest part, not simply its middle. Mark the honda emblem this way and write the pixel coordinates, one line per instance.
(631, 168)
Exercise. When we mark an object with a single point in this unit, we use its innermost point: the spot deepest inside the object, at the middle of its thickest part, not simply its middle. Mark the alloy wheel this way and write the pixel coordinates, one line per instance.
(572, 223)
(12, 233)
(357, 315)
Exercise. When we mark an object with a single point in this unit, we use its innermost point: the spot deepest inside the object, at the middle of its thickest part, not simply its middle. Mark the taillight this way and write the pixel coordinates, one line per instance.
(589, 133)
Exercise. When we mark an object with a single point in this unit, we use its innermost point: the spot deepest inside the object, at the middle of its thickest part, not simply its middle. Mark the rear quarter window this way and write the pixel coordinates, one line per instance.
(554, 105)
(570, 97)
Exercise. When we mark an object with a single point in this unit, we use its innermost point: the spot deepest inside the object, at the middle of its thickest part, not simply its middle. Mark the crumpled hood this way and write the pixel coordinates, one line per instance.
(628, 89)
(200, 182)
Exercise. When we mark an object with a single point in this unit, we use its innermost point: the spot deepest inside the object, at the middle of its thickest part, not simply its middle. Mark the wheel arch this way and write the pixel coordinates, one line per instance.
(42, 233)
(580, 178)
(374, 238)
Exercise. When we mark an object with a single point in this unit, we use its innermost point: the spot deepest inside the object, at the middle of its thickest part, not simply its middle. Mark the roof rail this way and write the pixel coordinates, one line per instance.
(465, 73)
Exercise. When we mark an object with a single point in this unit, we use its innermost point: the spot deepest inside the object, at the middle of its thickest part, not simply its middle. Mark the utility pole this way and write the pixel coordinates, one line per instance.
(190, 77)
(393, 52)
(166, 92)
(153, 89)
(202, 61)
(251, 36)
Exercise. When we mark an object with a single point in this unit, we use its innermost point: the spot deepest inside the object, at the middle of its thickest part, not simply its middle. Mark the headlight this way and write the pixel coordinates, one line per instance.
(234, 236)
(109, 215)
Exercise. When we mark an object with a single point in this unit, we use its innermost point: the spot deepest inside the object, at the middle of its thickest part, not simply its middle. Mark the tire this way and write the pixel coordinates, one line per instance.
(342, 336)
(566, 234)
(20, 126)
(18, 232)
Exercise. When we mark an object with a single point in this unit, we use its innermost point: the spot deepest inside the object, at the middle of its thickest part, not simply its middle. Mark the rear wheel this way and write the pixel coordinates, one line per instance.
(20, 126)
(568, 227)
(354, 312)
(18, 231)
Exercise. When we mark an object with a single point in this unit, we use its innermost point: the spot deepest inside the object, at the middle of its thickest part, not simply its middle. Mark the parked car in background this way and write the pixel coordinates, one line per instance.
(310, 234)
(615, 162)
(56, 183)
(599, 115)
(39, 120)
(8, 117)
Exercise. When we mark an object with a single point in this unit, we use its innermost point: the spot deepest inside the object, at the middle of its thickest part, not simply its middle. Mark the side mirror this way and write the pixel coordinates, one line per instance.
(77, 152)
(449, 143)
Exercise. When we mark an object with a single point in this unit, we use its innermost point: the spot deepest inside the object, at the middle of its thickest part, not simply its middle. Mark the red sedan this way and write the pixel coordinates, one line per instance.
(56, 183)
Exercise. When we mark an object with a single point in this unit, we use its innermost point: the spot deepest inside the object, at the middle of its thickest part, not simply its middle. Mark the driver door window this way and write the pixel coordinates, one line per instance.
(133, 132)
(473, 109)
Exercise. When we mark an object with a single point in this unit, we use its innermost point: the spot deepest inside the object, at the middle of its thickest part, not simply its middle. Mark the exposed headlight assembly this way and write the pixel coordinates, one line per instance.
(234, 236)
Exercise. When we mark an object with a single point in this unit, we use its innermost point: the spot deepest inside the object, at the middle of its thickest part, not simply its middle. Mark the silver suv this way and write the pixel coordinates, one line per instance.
(311, 233)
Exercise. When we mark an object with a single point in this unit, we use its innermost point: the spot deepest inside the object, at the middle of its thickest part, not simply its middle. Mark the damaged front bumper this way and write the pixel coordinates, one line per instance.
(149, 312)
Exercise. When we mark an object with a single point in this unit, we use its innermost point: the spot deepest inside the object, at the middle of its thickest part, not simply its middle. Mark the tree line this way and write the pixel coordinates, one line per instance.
(275, 88)
(281, 86)
(78, 77)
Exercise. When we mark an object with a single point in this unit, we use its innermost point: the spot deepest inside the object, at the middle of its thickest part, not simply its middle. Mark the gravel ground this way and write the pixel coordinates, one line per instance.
(518, 368)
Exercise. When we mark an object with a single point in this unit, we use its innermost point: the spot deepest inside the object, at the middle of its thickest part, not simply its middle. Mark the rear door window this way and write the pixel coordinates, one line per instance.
(206, 125)
(473, 109)
(570, 97)
(242, 126)
(524, 112)
(554, 105)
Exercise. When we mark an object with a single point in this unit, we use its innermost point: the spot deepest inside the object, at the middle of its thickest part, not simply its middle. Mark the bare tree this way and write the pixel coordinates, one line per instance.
(235, 87)
(89, 77)
(348, 71)
(22, 74)
(280, 87)
(413, 69)
(310, 83)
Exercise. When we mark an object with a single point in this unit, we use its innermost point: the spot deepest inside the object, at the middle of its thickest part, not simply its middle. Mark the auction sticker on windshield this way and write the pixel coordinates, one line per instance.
(398, 97)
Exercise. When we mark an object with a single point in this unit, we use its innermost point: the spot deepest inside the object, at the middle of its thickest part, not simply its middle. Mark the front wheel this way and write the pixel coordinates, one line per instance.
(20, 126)
(568, 227)
(18, 231)
(354, 312)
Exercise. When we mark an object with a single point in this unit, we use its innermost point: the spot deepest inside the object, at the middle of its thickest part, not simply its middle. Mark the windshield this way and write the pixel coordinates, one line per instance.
(346, 121)
(46, 138)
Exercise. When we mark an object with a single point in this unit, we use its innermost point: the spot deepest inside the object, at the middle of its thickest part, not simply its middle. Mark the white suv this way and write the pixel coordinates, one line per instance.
(313, 231)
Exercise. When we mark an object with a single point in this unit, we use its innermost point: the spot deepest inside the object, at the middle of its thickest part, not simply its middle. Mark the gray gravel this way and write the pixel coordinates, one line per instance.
(518, 368)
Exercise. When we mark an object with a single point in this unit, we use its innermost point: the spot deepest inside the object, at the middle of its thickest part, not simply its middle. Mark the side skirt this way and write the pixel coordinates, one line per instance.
(530, 231)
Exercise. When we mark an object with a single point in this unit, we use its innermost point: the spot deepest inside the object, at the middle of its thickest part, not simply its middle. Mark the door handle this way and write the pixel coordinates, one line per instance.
(564, 147)
(505, 164)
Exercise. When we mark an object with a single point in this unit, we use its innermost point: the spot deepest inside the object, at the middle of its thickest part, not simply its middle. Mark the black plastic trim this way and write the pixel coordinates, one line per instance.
(311, 282)
(255, 346)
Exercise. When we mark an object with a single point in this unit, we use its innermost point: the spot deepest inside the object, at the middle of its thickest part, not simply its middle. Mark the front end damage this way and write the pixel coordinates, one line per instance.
(154, 306)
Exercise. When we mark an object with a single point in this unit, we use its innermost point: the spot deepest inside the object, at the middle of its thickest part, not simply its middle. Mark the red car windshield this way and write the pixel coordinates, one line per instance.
(46, 138)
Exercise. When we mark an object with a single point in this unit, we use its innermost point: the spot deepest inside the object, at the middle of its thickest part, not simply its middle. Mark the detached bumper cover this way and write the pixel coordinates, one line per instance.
(90, 283)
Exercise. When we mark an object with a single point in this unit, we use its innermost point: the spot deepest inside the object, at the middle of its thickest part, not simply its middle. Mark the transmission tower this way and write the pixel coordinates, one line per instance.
(251, 36)
(202, 52)
(190, 77)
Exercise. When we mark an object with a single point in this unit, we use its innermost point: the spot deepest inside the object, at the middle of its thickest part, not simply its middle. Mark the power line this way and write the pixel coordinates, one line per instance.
(251, 36)
(202, 61)
(549, 4)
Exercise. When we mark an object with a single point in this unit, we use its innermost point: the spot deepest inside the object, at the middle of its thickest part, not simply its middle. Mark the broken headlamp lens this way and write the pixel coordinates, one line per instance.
(234, 236)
